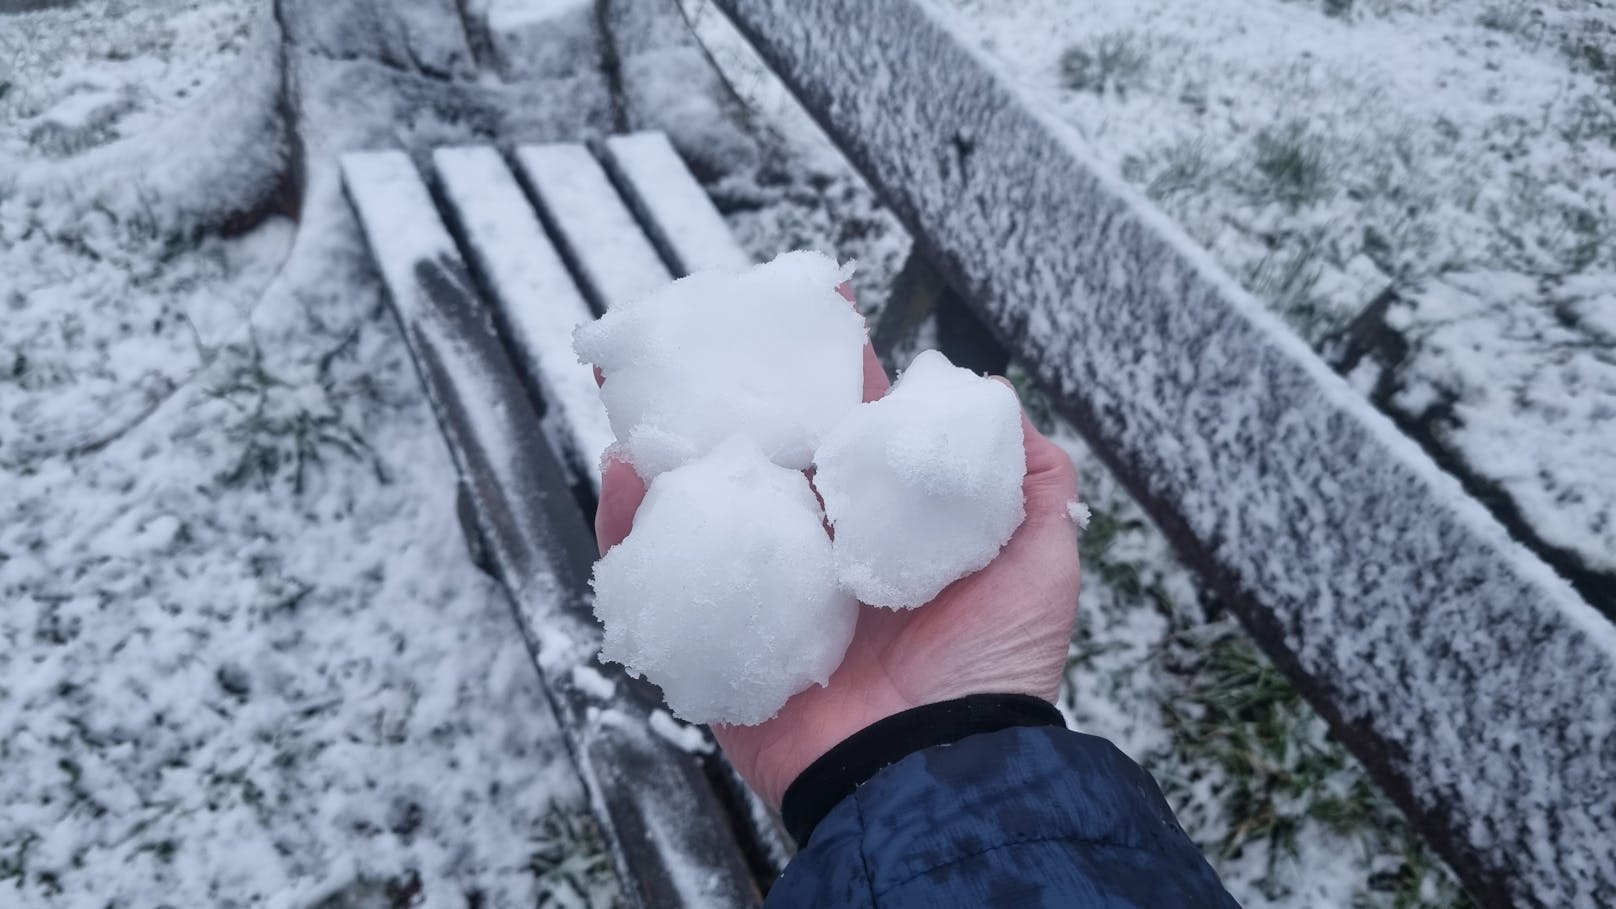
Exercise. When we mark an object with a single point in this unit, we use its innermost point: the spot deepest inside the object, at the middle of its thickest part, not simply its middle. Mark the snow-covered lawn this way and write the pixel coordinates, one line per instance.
(1456, 156)
(244, 659)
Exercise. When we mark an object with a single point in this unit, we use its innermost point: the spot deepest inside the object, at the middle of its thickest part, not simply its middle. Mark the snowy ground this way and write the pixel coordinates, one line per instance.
(246, 660)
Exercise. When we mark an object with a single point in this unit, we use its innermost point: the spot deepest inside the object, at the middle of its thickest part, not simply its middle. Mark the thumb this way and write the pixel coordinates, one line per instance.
(1051, 482)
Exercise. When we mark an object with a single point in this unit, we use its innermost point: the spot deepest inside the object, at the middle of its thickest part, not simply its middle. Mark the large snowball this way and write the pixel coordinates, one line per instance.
(724, 594)
(772, 352)
(923, 486)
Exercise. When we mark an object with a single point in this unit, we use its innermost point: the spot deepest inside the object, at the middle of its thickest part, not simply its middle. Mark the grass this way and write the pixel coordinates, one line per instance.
(1287, 279)
(1290, 160)
(570, 863)
(280, 428)
(1513, 17)
(1252, 770)
(1183, 167)
(1114, 61)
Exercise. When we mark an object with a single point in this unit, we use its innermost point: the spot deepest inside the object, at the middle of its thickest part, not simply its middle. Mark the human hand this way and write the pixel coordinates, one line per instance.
(1003, 630)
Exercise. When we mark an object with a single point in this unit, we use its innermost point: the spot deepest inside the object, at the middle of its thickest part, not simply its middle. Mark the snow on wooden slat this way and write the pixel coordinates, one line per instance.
(597, 232)
(1470, 679)
(676, 211)
(540, 302)
(657, 810)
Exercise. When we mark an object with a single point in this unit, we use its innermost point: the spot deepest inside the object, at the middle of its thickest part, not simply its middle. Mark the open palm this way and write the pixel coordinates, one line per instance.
(1002, 630)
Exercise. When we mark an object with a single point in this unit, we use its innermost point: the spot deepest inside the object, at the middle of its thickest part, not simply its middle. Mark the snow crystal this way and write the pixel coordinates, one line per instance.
(923, 486)
(772, 352)
(724, 594)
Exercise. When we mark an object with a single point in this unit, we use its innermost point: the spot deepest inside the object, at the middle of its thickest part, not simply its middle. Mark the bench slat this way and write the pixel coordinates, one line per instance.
(594, 227)
(1472, 681)
(657, 809)
(537, 297)
(676, 211)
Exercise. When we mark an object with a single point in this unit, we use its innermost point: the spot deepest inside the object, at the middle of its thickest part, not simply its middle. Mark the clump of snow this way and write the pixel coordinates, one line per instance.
(724, 594)
(923, 486)
(771, 352)
(1079, 513)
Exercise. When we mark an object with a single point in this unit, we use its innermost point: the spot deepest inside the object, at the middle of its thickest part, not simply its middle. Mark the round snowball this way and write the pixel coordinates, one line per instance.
(923, 487)
(724, 594)
(772, 352)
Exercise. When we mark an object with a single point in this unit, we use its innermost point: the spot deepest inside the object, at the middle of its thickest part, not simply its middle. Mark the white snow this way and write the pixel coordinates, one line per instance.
(541, 304)
(660, 186)
(923, 487)
(724, 594)
(593, 223)
(772, 352)
(684, 736)
(1079, 513)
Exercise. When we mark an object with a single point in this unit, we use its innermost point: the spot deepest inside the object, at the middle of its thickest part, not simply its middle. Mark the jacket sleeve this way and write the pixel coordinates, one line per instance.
(1019, 817)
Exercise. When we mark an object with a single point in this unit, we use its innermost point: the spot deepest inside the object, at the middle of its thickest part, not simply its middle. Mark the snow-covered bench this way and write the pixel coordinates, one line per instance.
(489, 267)
(1473, 682)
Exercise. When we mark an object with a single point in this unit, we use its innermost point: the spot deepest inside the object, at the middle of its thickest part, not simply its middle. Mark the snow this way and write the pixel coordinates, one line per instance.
(771, 352)
(1079, 513)
(536, 294)
(1397, 599)
(596, 229)
(589, 680)
(673, 204)
(685, 737)
(724, 593)
(1457, 154)
(923, 486)
(247, 659)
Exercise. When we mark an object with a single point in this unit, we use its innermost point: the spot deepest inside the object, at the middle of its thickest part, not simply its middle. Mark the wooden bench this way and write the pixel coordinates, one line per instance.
(489, 268)
(1473, 683)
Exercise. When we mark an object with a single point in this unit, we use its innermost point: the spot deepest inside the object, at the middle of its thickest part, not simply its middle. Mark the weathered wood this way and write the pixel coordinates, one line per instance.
(611, 256)
(675, 211)
(1474, 684)
(535, 296)
(654, 802)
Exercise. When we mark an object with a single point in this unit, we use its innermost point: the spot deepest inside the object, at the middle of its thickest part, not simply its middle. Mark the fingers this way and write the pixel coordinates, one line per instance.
(621, 491)
(1051, 483)
(875, 377)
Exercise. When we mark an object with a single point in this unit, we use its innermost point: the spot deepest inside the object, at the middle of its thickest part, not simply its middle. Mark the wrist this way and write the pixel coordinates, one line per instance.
(852, 762)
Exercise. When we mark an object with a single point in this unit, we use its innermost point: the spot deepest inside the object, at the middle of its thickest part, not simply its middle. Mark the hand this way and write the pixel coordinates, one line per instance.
(1003, 630)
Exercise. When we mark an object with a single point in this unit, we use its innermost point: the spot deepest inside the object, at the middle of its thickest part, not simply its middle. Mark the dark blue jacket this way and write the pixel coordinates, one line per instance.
(1033, 816)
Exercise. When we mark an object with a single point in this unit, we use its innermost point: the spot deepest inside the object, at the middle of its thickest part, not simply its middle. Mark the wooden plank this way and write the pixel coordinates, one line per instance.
(594, 228)
(536, 296)
(658, 811)
(1471, 680)
(676, 212)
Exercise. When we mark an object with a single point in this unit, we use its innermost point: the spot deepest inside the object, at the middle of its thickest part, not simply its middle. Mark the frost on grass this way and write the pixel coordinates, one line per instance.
(772, 352)
(922, 487)
(724, 594)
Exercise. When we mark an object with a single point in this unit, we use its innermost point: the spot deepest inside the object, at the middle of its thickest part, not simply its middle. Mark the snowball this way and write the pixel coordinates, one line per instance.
(923, 486)
(772, 352)
(724, 593)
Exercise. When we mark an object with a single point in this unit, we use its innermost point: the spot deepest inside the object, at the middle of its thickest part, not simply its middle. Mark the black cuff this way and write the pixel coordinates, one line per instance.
(885, 742)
